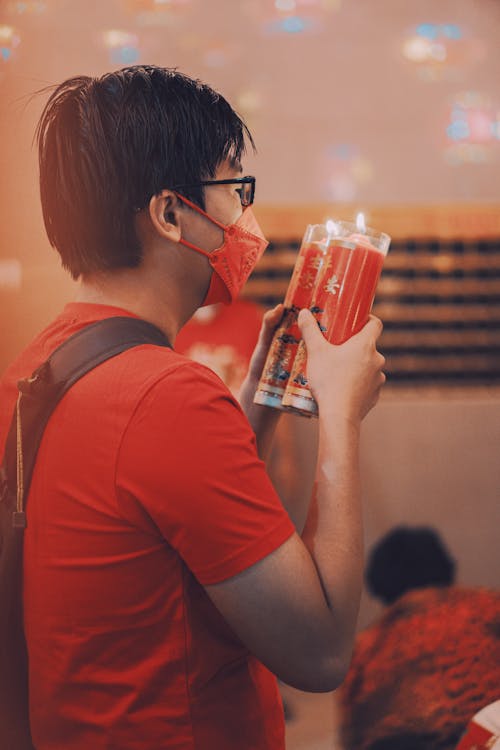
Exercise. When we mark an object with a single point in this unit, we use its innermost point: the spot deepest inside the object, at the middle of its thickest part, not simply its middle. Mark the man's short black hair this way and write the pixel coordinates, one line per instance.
(107, 145)
(408, 558)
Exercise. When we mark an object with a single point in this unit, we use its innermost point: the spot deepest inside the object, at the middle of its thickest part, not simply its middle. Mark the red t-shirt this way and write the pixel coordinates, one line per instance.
(147, 487)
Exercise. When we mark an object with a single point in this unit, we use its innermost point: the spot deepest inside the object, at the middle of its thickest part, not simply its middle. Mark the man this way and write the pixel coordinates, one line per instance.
(164, 582)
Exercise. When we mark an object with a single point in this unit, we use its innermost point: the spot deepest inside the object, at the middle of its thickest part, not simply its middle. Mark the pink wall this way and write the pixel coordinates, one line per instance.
(338, 113)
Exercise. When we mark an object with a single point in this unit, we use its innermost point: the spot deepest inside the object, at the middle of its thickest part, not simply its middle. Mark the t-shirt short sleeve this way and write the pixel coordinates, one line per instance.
(188, 458)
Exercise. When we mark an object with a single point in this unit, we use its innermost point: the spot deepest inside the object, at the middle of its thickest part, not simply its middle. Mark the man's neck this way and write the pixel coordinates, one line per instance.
(128, 290)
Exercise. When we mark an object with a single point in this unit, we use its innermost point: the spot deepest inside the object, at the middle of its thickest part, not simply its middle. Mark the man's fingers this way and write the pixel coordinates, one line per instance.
(376, 325)
(309, 329)
(269, 322)
(272, 317)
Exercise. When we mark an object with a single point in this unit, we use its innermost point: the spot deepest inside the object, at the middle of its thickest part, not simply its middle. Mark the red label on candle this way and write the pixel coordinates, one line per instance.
(341, 304)
(305, 274)
(286, 339)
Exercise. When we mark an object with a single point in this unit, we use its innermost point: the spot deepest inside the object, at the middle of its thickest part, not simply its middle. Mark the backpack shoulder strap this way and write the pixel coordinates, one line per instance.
(40, 394)
(92, 345)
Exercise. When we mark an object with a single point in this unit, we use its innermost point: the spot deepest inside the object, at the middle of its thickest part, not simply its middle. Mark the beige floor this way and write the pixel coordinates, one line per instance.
(312, 722)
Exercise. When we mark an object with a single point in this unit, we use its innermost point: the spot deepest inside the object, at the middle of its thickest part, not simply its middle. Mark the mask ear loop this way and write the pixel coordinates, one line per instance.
(200, 210)
(192, 205)
(195, 247)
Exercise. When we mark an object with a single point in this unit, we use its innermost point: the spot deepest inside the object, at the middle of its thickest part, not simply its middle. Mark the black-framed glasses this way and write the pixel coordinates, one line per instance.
(246, 190)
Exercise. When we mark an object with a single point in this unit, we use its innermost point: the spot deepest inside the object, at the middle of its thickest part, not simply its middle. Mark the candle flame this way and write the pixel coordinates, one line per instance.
(360, 223)
(331, 227)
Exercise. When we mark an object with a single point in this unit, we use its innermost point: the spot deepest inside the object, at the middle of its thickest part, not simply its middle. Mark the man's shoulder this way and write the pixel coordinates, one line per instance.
(157, 363)
(153, 379)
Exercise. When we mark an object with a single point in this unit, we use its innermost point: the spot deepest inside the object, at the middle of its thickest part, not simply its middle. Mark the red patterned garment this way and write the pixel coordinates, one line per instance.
(422, 671)
(223, 338)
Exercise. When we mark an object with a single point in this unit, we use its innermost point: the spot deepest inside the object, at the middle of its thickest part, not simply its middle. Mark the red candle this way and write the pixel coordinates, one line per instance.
(287, 336)
(341, 304)
(348, 289)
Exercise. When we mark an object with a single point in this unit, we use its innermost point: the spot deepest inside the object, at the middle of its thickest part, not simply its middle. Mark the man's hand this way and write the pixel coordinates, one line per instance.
(345, 379)
(270, 322)
(262, 418)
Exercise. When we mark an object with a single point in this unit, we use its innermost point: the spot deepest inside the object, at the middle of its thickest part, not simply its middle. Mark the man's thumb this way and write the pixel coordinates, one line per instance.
(309, 328)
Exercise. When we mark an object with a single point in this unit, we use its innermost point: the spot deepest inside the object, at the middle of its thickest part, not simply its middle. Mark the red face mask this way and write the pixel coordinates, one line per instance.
(235, 259)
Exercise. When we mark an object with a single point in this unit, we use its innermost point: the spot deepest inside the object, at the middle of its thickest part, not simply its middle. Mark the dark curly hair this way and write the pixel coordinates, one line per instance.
(408, 558)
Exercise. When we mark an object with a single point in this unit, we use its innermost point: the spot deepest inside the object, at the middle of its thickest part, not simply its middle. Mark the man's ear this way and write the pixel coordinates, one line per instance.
(164, 210)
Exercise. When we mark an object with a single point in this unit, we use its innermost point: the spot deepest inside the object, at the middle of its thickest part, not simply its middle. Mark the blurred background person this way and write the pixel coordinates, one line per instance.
(223, 338)
(431, 661)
